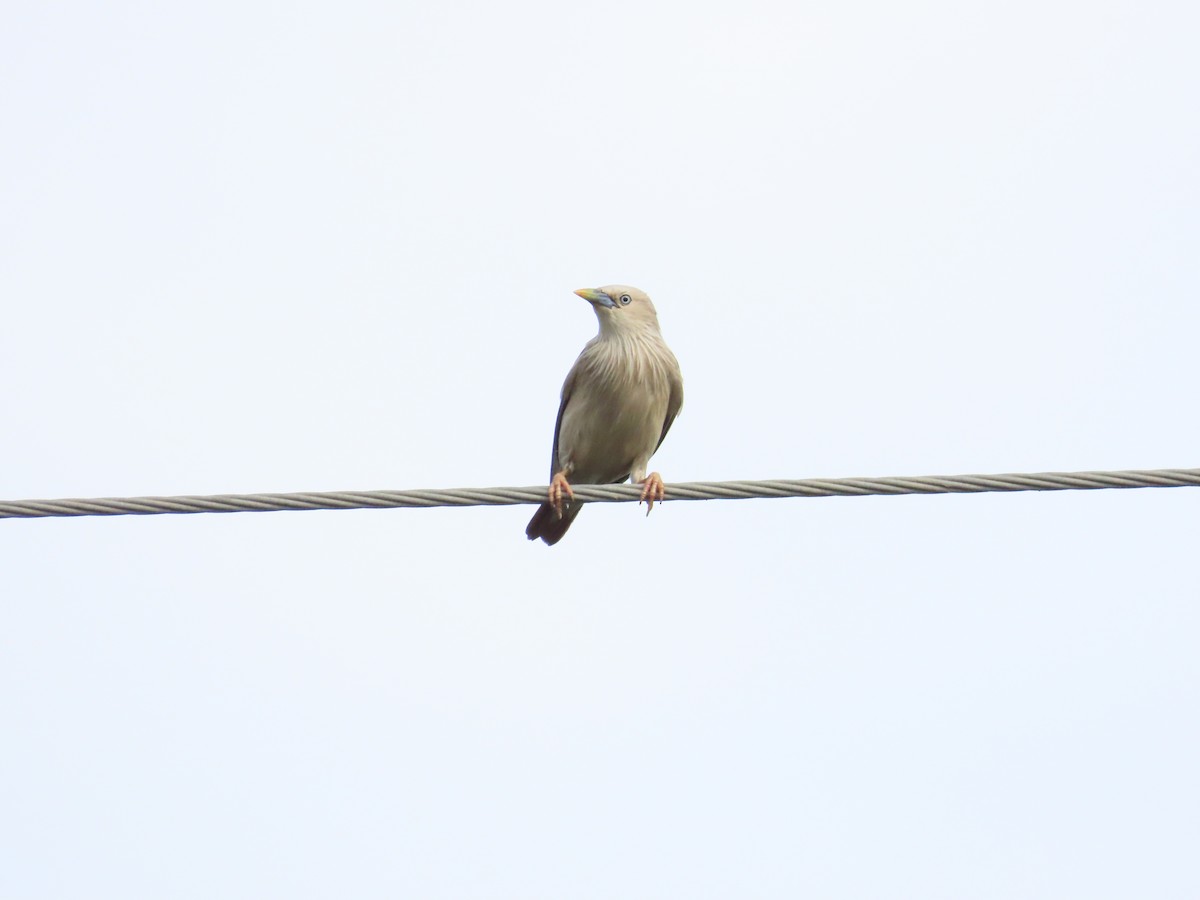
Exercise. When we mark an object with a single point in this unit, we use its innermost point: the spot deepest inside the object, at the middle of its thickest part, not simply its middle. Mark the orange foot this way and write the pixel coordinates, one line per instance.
(652, 489)
(558, 487)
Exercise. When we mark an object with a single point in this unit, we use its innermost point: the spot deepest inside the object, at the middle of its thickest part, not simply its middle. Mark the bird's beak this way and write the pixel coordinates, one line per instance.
(596, 297)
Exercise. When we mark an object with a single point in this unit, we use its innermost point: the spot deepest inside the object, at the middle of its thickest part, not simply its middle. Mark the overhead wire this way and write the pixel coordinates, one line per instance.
(610, 493)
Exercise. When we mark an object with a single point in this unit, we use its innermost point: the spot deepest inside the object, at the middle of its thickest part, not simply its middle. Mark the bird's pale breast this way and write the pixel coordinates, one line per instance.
(615, 416)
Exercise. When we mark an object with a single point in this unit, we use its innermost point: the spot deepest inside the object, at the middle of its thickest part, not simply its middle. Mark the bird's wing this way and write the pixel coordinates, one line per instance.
(567, 388)
(674, 404)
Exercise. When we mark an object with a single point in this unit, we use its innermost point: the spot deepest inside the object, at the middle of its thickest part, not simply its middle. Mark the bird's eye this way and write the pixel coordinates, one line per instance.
(625, 299)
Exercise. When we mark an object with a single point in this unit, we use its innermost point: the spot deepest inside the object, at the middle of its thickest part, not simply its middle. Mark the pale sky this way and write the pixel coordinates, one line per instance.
(262, 247)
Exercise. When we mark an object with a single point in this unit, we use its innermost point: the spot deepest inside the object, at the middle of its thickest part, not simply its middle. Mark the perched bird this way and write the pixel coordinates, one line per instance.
(618, 403)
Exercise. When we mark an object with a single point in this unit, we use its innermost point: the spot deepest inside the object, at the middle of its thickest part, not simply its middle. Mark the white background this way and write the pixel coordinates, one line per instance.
(260, 246)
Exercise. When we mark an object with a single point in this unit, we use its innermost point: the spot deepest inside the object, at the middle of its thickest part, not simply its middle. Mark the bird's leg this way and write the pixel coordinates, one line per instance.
(652, 489)
(558, 487)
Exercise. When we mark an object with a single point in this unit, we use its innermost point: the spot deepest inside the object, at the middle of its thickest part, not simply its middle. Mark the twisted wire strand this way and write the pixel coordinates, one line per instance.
(607, 493)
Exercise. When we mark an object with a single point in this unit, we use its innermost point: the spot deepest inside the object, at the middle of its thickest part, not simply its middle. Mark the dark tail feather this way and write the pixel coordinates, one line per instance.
(546, 524)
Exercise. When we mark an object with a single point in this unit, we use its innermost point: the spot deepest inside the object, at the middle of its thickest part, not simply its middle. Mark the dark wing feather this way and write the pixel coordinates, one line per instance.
(567, 388)
(674, 404)
(546, 523)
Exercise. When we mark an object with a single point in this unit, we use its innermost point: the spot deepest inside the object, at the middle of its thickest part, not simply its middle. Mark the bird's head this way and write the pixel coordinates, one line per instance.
(620, 308)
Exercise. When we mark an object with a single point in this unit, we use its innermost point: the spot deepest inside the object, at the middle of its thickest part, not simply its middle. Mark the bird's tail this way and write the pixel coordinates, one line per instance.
(547, 525)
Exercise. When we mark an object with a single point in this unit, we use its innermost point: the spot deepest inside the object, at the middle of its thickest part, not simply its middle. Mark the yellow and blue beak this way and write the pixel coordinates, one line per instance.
(596, 297)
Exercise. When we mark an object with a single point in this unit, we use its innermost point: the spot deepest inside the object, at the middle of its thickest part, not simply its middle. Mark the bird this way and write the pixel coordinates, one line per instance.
(616, 407)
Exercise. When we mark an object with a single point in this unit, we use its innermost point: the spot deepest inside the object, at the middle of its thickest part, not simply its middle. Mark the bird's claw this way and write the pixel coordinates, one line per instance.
(652, 489)
(559, 487)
